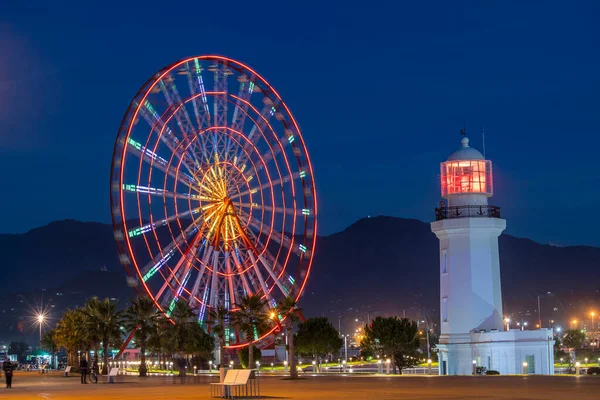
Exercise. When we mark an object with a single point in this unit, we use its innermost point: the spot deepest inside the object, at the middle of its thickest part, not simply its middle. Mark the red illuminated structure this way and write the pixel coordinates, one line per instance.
(466, 182)
(212, 190)
(466, 172)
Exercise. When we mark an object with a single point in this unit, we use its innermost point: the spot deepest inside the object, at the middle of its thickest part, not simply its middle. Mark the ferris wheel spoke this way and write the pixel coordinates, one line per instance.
(268, 110)
(221, 72)
(174, 101)
(229, 281)
(240, 270)
(214, 295)
(167, 137)
(159, 192)
(200, 276)
(186, 259)
(261, 279)
(161, 164)
(269, 270)
(241, 105)
(181, 115)
(264, 186)
(201, 111)
(143, 229)
(277, 210)
(167, 252)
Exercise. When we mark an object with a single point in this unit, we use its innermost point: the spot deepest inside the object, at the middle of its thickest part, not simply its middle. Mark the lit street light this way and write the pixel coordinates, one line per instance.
(40, 319)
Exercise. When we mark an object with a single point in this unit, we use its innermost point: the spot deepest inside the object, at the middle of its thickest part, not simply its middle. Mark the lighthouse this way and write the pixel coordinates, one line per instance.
(471, 315)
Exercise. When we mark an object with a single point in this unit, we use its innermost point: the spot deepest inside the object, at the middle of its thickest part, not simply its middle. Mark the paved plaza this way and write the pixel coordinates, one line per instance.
(53, 386)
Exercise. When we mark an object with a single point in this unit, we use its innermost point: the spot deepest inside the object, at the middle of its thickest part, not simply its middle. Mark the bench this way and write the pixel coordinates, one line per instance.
(67, 370)
(237, 383)
(112, 374)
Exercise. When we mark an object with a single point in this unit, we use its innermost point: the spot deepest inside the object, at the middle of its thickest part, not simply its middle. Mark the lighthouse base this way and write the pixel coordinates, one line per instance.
(505, 352)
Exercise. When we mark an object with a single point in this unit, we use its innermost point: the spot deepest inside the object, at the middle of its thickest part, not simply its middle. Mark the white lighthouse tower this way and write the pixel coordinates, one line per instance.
(472, 328)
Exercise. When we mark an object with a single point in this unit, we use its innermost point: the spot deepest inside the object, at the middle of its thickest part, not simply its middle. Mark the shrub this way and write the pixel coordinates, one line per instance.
(243, 356)
(492, 372)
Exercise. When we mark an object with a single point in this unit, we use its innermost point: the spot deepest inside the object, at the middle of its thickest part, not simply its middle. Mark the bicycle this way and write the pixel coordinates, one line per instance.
(93, 375)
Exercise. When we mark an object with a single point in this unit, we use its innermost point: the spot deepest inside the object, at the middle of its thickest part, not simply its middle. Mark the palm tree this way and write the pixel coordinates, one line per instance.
(71, 333)
(157, 339)
(289, 312)
(250, 319)
(142, 317)
(92, 324)
(181, 331)
(217, 321)
(49, 344)
(104, 317)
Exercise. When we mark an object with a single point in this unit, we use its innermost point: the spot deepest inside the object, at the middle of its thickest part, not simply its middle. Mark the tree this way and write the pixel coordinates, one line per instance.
(573, 339)
(49, 344)
(200, 344)
(91, 326)
(158, 339)
(141, 316)
(289, 312)
(317, 337)
(72, 334)
(217, 321)
(394, 337)
(103, 317)
(181, 332)
(250, 320)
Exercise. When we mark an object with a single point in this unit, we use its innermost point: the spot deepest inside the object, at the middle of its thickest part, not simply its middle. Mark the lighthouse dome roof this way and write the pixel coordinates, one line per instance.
(466, 152)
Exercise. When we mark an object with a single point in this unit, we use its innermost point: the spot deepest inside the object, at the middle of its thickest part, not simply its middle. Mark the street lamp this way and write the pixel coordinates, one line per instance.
(507, 321)
(40, 319)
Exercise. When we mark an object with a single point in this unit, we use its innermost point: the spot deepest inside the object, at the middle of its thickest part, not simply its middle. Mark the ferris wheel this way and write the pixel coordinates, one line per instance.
(212, 190)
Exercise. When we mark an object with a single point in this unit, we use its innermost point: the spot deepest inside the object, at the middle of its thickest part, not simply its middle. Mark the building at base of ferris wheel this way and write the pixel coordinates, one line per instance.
(472, 322)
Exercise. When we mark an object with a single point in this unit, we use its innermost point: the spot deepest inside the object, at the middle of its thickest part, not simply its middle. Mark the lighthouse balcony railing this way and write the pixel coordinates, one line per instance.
(467, 212)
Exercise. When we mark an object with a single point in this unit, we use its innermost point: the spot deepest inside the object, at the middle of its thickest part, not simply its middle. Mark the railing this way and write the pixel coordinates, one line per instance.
(467, 212)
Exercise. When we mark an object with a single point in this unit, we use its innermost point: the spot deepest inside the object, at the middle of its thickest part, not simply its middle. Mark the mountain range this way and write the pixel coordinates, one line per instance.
(376, 266)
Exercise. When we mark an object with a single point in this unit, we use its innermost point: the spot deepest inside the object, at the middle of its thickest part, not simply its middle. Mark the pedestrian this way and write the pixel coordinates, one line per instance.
(83, 366)
(8, 368)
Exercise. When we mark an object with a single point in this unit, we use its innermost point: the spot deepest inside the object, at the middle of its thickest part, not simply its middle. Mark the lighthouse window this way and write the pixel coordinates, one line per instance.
(467, 176)
(445, 261)
(444, 309)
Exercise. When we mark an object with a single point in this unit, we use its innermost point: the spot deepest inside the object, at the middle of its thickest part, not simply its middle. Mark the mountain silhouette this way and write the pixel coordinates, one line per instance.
(376, 266)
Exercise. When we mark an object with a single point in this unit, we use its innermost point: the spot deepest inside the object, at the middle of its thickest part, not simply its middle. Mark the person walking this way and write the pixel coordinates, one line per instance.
(8, 368)
(83, 366)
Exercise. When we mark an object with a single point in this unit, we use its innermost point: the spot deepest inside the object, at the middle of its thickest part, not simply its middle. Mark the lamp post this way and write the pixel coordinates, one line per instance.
(387, 366)
(346, 347)
(40, 319)
(507, 321)
(210, 366)
(429, 366)
(285, 366)
(474, 367)
(524, 367)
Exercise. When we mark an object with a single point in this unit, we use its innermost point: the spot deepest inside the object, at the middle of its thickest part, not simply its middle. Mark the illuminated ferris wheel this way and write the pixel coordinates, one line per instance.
(212, 189)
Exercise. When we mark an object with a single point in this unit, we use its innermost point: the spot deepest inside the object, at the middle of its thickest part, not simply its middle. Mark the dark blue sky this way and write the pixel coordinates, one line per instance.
(380, 90)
